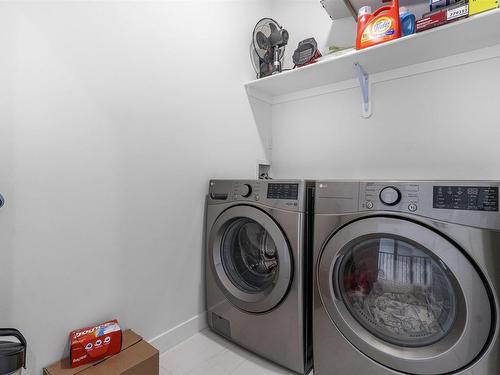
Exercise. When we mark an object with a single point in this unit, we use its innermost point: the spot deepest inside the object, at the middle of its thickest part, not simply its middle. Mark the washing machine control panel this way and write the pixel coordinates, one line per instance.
(242, 190)
(390, 196)
(283, 190)
(246, 190)
(272, 193)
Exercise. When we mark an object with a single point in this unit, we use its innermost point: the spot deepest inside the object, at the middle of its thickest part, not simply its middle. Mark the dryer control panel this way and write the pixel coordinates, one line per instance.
(473, 203)
(468, 198)
(418, 197)
(390, 196)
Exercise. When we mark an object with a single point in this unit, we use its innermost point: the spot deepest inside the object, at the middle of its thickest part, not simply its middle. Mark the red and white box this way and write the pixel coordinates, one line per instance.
(92, 344)
(443, 16)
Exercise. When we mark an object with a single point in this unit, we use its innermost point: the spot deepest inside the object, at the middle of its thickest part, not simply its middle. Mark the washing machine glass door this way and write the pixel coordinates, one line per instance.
(250, 258)
(405, 296)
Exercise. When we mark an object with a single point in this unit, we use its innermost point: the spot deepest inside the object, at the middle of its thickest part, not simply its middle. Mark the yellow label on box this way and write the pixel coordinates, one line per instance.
(479, 6)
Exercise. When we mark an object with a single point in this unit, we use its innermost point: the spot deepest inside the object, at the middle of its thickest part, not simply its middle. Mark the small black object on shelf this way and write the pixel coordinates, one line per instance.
(306, 53)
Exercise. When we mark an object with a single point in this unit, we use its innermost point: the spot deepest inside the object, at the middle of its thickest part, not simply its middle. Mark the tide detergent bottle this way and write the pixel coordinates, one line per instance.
(378, 27)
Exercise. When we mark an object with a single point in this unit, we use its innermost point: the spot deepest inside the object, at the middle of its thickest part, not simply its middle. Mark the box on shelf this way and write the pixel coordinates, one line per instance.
(479, 6)
(443, 16)
(438, 4)
(137, 357)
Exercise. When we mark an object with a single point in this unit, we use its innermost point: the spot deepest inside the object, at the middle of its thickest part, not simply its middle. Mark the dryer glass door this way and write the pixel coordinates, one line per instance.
(251, 258)
(398, 291)
(405, 296)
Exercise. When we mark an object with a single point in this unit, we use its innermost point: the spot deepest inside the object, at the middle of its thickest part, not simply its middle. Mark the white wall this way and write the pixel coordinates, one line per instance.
(113, 116)
(425, 124)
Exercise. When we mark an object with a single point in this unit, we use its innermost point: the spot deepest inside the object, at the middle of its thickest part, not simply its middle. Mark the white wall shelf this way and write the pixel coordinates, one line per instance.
(479, 31)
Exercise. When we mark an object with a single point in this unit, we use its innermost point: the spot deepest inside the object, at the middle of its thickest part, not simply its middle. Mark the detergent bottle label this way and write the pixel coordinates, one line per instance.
(379, 29)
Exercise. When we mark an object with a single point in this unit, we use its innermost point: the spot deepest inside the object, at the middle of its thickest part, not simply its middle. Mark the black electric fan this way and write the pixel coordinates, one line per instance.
(269, 41)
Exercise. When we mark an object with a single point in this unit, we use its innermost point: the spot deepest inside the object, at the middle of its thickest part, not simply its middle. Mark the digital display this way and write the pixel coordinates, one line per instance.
(471, 198)
(283, 191)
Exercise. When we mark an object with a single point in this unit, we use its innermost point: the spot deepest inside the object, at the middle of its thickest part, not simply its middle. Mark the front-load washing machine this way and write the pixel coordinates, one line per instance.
(407, 276)
(258, 267)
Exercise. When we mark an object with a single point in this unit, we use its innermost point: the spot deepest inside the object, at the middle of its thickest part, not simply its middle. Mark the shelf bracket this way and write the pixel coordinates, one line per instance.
(366, 88)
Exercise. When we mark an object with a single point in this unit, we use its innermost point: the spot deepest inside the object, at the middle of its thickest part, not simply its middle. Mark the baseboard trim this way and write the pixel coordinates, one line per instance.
(179, 333)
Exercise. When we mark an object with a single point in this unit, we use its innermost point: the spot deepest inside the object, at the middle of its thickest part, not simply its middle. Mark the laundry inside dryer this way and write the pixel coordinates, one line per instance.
(398, 291)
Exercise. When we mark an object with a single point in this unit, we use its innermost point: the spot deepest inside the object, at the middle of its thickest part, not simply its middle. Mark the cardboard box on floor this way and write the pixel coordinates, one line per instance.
(136, 358)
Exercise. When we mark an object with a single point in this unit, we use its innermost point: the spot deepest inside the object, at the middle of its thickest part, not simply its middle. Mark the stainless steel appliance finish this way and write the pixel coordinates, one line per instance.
(257, 258)
(406, 277)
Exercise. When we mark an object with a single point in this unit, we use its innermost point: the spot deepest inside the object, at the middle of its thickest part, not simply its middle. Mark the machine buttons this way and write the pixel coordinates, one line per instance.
(246, 190)
(285, 191)
(390, 196)
(412, 207)
(369, 205)
(257, 197)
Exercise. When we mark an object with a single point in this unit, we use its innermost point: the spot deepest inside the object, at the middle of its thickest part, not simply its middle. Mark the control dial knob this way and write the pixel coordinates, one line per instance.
(390, 196)
(246, 190)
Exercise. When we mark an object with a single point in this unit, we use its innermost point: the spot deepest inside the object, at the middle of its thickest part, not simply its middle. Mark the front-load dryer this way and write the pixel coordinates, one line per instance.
(258, 264)
(406, 278)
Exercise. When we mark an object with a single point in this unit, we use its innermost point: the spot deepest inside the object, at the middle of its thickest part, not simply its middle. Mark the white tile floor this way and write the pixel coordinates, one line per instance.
(209, 354)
